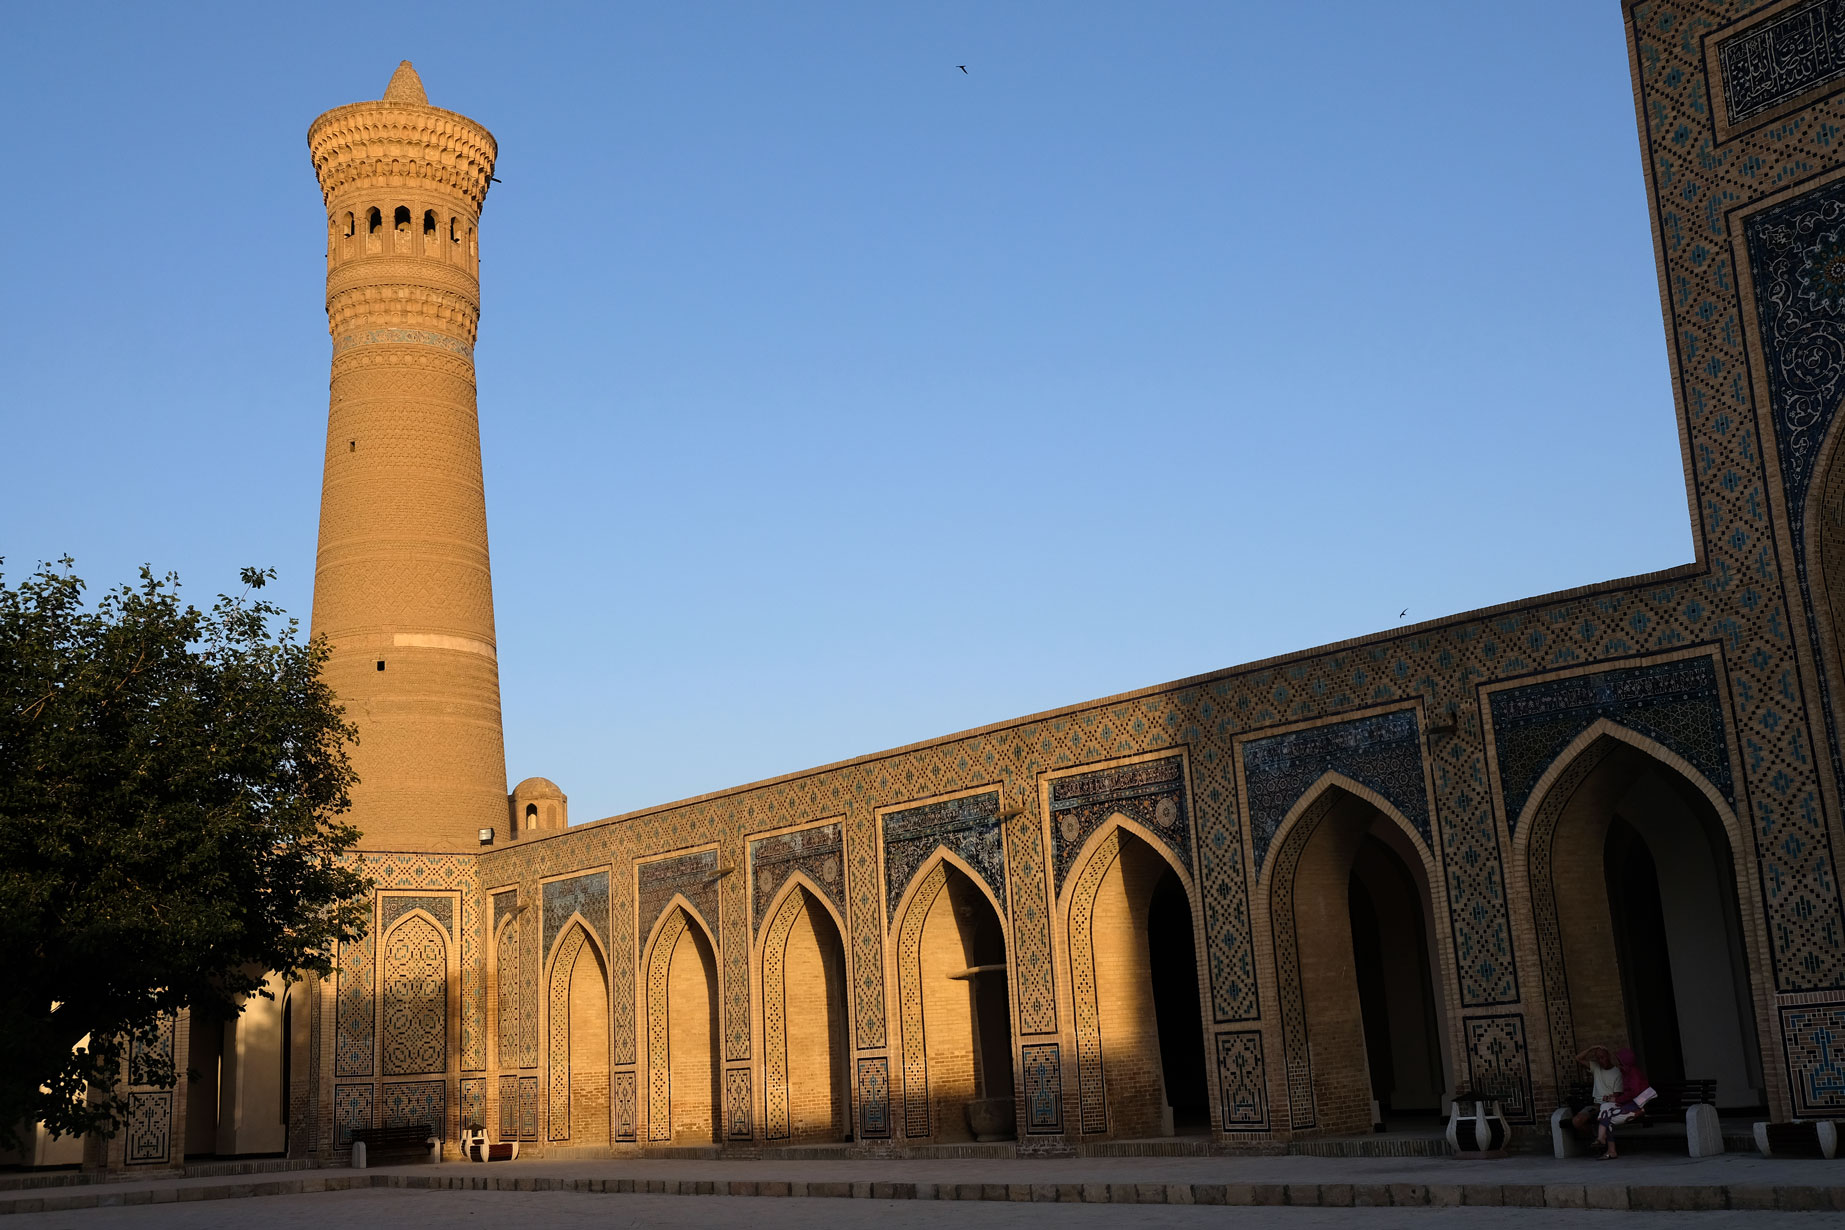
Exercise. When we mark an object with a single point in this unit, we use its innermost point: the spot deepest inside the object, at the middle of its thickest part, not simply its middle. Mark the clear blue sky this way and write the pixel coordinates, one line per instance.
(834, 399)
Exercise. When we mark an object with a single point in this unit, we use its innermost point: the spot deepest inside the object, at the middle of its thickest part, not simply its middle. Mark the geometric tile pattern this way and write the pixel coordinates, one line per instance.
(509, 1108)
(969, 826)
(874, 1097)
(392, 907)
(150, 1128)
(514, 984)
(910, 1000)
(1043, 1084)
(1676, 703)
(587, 895)
(1382, 751)
(815, 851)
(1083, 983)
(694, 876)
(528, 1108)
(1498, 1063)
(1150, 793)
(415, 998)
(621, 1098)
(737, 1103)
(352, 1110)
(866, 922)
(1242, 1083)
(474, 1102)
(1034, 988)
(149, 1048)
(1776, 61)
(355, 1014)
(1740, 598)
(1814, 1035)
(409, 1103)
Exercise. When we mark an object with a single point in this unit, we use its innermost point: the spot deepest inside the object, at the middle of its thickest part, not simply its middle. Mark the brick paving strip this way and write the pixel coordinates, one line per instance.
(1671, 1185)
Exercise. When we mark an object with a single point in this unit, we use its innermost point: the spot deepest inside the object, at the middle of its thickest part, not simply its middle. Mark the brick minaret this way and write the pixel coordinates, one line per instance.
(402, 588)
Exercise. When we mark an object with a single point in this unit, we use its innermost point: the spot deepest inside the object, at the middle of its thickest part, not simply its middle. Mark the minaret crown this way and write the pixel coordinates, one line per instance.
(406, 86)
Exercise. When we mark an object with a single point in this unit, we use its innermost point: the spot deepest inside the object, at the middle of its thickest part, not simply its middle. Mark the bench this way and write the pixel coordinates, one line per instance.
(477, 1148)
(1694, 1098)
(414, 1142)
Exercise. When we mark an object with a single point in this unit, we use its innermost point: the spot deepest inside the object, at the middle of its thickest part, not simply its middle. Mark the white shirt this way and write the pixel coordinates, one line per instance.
(1607, 1080)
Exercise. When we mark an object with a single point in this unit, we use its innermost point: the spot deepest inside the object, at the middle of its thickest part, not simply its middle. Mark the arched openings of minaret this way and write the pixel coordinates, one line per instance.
(374, 230)
(400, 229)
(429, 223)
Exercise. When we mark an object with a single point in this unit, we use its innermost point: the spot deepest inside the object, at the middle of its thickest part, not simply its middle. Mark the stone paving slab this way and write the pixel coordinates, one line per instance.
(1662, 1184)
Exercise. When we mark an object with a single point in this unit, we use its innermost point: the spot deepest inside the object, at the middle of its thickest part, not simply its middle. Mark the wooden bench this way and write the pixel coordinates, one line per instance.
(414, 1142)
(1692, 1100)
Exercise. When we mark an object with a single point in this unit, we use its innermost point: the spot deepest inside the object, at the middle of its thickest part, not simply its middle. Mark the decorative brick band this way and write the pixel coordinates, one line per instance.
(402, 337)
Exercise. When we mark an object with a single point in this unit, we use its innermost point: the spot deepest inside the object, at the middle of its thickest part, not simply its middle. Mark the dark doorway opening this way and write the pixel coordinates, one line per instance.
(1173, 956)
(1641, 943)
(1396, 992)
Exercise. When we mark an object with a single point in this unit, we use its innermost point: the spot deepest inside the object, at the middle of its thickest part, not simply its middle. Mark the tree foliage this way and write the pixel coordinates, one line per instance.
(171, 782)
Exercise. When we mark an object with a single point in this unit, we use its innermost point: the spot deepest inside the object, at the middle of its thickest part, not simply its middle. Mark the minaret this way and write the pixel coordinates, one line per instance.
(402, 588)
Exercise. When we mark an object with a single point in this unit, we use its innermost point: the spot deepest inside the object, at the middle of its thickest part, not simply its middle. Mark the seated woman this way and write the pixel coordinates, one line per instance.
(1605, 1087)
(1636, 1092)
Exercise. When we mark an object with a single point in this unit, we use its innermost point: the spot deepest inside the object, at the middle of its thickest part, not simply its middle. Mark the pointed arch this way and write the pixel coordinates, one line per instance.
(666, 963)
(575, 1073)
(1099, 856)
(783, 1068)
(926, 1097)
(1334, 794)
(415, 998)
(1573, 794)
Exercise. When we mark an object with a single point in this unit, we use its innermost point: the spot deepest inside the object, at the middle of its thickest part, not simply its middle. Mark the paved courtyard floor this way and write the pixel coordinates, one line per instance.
(1288, 1191)
(442, 1210)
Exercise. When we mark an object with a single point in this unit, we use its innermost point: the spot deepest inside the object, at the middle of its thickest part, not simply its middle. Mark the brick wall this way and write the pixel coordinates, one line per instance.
(692, 1029)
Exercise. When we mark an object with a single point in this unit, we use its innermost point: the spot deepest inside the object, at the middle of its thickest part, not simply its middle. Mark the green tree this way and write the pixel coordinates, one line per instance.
(171, 782)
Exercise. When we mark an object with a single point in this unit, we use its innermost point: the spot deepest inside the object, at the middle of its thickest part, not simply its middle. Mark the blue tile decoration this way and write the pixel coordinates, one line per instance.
(473, 1101)
(509, 1107)
(874, 1097)
(150, 1047)
(1042, 1066)
(695, 876)
(587, 895)
(355, 1029)
(1242, 1081)
(352, 1110)
(969, 826)
(1499, 1063)
(1151, 793)
(528, 1108)
(1777, 60)
(405, 1103)
(1814, 1036)
(392, 907)
(737, 1104)
(1382, 751)
(1676, 703)
(818, 852)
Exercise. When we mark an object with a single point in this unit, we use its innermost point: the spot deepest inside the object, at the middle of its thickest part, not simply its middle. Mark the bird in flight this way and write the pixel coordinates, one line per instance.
(1403, 612)
(962, 67)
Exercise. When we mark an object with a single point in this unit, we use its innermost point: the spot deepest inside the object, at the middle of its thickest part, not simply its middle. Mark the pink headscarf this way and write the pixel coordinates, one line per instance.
(1633, 1080)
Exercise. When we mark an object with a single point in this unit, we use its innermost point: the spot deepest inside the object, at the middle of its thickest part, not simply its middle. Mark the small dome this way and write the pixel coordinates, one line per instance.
(406, 87)
(537, 788)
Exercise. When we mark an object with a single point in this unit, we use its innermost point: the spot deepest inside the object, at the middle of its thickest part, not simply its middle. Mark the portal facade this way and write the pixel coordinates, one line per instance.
(1263, 903)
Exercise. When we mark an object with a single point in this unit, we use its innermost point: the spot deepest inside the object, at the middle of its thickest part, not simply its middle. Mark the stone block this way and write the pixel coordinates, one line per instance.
(1605, 1195)
(1565, 1196)
(1563, 1139)
(1703, 1132)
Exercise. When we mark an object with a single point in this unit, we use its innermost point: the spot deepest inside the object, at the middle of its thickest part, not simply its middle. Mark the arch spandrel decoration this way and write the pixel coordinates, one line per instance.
(415, 997)
(1150, 792)
(693, 876)
(818, 852)
(1676, 704)
(586, 895)
(1382, 751)
(968, 826)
